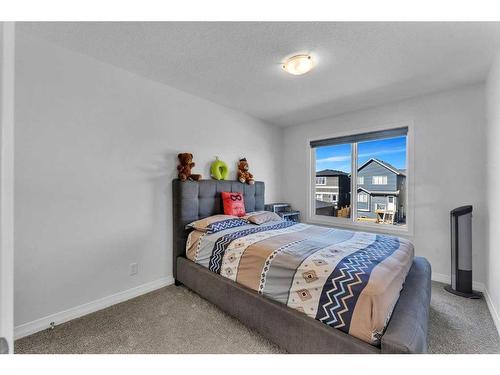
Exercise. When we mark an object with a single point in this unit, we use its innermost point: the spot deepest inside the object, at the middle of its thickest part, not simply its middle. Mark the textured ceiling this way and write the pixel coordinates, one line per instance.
(237, 64)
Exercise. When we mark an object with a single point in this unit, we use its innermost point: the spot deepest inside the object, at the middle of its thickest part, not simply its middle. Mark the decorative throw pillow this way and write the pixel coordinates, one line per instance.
(261, 217)
(226, 224)
(216, 223)
(233, 203)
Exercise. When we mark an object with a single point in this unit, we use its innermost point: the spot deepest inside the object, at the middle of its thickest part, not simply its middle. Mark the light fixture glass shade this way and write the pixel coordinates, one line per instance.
(298, 64)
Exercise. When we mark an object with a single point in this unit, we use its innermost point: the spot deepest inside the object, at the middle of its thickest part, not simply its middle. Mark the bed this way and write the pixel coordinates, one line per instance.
(288, 327)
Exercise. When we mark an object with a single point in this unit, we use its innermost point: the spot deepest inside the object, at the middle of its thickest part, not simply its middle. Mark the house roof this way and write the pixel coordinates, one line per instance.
(330, 172)
(375, 192)
(392, 168)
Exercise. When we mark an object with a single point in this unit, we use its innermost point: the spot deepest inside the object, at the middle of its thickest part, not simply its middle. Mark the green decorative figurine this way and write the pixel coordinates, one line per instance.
(219, 169)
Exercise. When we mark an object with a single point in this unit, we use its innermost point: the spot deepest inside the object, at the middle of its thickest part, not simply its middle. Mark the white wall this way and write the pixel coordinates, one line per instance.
(6, 180)
(95, 155)
(448, 152)
(493, 197)
(2, 304)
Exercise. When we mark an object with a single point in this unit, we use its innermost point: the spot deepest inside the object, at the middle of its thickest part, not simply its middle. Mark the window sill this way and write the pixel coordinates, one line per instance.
(403, 231)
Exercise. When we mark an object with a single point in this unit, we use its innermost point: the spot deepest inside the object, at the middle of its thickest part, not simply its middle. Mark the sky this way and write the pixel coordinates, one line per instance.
(390, 150)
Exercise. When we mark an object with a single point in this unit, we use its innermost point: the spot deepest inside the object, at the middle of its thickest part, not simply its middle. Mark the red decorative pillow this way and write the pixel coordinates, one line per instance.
(233, 204)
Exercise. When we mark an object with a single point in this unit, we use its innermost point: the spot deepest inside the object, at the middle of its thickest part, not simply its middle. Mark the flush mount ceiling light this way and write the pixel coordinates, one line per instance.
(298, 64)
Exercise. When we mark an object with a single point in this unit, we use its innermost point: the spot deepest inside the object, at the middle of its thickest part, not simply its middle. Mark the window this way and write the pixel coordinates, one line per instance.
(362, 197)
(337, 201)
(391, 204)
(320, 180)
(326, 197)
(379, 180)
(382, 158)
(363, 202)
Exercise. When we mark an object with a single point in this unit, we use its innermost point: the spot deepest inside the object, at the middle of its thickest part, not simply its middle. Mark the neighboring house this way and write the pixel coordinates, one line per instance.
(332, 189)
(381, 187)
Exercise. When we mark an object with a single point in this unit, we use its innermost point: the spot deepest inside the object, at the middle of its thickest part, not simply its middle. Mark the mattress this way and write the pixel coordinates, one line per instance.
(346, 279)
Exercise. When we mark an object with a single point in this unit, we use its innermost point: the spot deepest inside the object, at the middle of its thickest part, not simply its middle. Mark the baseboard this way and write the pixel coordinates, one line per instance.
(493, 310)
(442, 278)
(29, 328)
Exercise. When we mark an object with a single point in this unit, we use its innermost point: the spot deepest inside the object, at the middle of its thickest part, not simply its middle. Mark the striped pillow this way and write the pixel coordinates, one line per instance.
(217, 223)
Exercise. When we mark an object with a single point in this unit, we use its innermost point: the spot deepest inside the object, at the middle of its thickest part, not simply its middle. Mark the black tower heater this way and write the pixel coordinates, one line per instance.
(461, 253)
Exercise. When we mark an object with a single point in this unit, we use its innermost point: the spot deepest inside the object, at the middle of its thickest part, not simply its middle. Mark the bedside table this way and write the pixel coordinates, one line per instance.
(284, 210)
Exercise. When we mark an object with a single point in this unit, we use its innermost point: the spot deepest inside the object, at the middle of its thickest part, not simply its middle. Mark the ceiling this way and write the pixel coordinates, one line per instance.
(238, 64)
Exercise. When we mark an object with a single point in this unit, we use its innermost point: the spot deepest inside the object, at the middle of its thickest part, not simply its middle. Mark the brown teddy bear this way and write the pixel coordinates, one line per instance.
(184, 168)
(243, 174)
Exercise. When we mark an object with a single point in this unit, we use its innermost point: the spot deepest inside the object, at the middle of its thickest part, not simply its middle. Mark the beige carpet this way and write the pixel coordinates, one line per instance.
(175, 320)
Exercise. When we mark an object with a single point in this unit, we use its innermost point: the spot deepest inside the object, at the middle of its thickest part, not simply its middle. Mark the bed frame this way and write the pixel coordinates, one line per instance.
(295, 332)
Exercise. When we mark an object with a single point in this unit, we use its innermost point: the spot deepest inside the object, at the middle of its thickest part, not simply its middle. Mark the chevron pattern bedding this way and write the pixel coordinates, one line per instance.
(345, 279)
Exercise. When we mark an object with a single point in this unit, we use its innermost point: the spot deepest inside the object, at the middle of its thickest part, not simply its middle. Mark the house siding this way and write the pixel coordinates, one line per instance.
(375, 169)
(373, 200)
(338, 185)
(344, 191)
(395, 183)
(332, 185)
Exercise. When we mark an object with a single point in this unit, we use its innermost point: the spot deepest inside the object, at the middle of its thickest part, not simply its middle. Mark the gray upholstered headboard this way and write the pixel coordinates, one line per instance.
(193, 200)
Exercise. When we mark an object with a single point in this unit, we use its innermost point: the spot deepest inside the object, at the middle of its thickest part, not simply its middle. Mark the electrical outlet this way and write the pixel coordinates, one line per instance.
(133, 269)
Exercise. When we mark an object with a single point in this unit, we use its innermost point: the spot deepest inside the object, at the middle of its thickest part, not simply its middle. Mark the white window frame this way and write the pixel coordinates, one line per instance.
(351, 223)
(368, 202)
(322, 193)
(322, 179)
(376, 204)
(362, 194)
(379, 180)
(361, 180)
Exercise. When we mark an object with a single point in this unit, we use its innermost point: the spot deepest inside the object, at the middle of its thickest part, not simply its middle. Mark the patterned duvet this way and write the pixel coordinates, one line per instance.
(347, 280)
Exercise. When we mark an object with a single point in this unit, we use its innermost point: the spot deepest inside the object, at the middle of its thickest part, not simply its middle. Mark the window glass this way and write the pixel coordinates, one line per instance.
(333, 166)
(320, 180)
(383, 163)
(362, 197)
(379, 180)
(380, 186)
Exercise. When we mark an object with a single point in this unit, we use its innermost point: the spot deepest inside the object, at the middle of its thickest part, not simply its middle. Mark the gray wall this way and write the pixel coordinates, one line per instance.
(7, 51)
(96, 151)
(3, 305)
(493, 197)
(448, 132)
